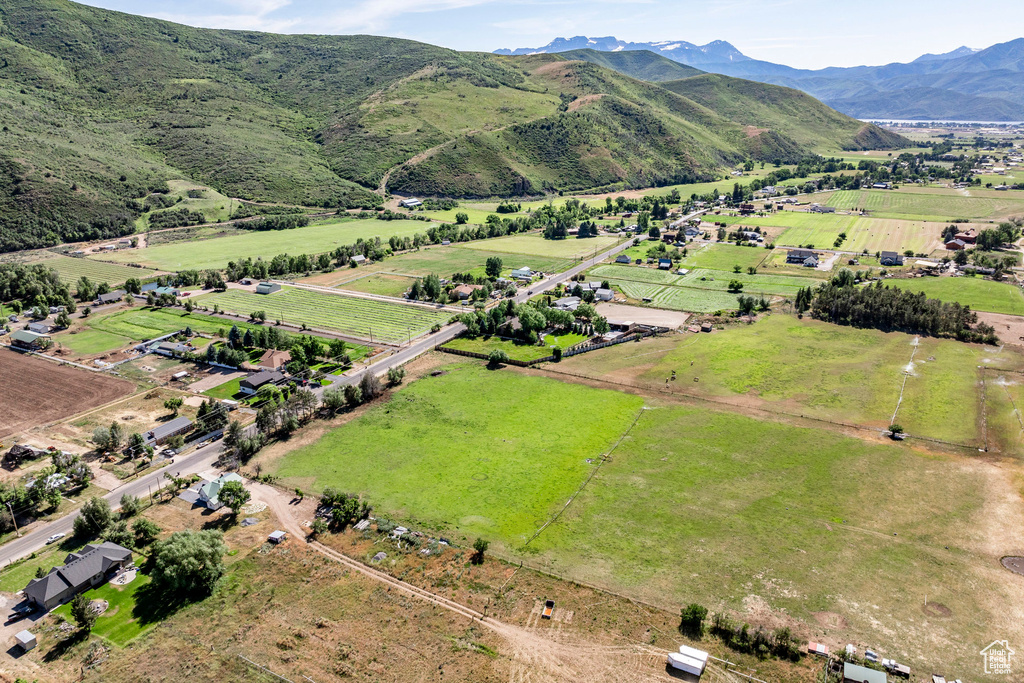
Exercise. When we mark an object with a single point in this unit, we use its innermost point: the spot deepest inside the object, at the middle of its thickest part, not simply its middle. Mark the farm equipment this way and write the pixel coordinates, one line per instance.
(549, 607)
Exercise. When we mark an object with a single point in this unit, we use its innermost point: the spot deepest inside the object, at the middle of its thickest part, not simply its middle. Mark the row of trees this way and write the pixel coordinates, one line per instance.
(740, 637)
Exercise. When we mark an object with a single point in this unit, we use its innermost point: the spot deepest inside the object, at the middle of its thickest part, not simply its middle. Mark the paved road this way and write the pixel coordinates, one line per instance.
(198, 461)
(204, 458)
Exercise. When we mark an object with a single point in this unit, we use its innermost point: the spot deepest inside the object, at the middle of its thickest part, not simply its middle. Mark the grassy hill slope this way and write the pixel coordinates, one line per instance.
(102, 108)
(643, 65)
(785, 110)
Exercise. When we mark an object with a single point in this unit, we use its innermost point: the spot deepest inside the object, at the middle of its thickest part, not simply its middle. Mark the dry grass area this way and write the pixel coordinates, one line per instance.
(36, 392)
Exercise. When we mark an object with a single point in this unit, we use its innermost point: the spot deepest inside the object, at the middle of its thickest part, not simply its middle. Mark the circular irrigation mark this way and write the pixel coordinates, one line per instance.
(479, 476)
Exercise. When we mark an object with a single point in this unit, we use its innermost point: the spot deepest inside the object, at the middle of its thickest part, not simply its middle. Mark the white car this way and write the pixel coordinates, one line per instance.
(55, 538)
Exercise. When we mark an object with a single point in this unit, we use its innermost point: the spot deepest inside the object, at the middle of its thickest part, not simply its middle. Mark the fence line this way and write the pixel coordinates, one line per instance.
(572, 351)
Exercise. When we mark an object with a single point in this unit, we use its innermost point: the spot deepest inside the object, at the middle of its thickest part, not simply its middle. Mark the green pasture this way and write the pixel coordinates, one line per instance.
(724, 257)
(383, 284)
(364, 318)
(71, 268)
(485, 345)
(142, 323)
(926, 204)
(446, 260)
(312, 239)
(695, 300)
(91, 342)
(721, 509)
(533, 244)
(474, 451)
(979, 294)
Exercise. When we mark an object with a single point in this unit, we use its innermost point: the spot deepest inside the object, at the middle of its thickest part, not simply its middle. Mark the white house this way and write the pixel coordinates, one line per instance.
(209, 491)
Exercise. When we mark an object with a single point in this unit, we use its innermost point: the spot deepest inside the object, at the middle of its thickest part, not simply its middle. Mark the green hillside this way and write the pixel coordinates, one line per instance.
(643, 65)
(789, 112)
(101, 108)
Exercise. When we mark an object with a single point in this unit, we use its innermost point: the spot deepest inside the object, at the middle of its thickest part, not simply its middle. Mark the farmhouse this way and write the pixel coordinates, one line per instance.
(465, 291)
(968, 236)
(569, 303)
(859, 674)
(692, 231)
(274, 360)
(523, 273)
(162, 433)
(805, 257)
(251, 384)
(40, 328)
(80, 571)
(209, 491)
(267, 288)
(890, 258)
(25, 339)
(956, 245)
(110, 297)
(622, 258)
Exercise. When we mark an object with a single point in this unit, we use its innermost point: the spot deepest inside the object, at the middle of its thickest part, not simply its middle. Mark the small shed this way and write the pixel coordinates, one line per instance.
(26, 640)
(359, 259)
(817, 649)
(689, 659)
(277, 536)
(664, 263)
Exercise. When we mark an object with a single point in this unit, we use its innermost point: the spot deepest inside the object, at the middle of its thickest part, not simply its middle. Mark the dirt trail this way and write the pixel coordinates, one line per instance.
(537, 656)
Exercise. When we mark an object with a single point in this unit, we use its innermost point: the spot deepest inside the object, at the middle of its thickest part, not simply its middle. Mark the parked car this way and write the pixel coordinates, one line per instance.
(21, 612)
(55, 538)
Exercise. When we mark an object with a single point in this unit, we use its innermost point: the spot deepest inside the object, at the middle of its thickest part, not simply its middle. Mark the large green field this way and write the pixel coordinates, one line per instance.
(821, 230)
(533, 244)
(363, 318)
(925, 204)
(732, 512)
(979, 294)
(807, 367)
(71, 269)
(313, 239)
(725, 256)
(474, 451)
(142, 323)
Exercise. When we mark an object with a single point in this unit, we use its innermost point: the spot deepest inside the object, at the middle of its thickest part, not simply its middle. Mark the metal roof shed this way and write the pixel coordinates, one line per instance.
(26, 640)
(689, 659)
(860, 674)
(277, 536)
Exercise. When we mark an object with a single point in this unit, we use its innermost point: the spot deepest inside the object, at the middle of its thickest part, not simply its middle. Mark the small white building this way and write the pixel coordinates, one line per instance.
(410, 203)
(26, 641)
(689, 659)
(277, 536)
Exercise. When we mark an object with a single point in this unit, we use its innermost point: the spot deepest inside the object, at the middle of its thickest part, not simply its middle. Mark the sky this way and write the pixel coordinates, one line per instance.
(800, 33)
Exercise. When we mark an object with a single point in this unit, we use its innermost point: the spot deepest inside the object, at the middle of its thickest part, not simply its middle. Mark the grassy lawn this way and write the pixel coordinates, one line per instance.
(384, 284)
(384, 321)
(225, 391)
(90, 342)
(522, 445)
(821, 230)
(15, 577)
(564, 341)
(533, 244)
(121, 623)
(142, 323)
(980, 295)
(515, 351)
(71, 269)
(313, 239)
(721, 509)
(724, 257)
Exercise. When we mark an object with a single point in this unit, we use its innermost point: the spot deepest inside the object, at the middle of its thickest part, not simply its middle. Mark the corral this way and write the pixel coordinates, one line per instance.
(34, 392)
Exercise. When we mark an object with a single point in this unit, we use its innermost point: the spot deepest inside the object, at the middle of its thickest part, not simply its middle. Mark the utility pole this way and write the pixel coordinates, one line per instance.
(13, 519)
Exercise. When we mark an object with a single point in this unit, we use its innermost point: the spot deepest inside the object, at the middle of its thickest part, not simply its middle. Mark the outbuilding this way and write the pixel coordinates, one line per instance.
(622, 258)
(523, 273)
(277, 536)
(689, 659)
(168, 430)
(25, 339)
(852, 673)
(25, 640)
(267, 288)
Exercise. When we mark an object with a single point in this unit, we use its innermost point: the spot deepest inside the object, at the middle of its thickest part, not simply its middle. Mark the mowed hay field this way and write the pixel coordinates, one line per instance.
(312, 239)
(873, 234)
(71, 269)
(731, 512)
(724, 257)
(533, 244)
(925, 204)
(363, 318)
(473, 451)
(807, 367)
(979, 294)
(57, 391)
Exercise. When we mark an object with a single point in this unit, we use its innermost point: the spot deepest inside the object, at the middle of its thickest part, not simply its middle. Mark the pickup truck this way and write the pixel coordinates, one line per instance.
(549, 607)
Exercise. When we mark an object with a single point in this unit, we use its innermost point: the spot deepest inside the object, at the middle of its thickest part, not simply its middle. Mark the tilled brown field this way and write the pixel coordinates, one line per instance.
(35, 392)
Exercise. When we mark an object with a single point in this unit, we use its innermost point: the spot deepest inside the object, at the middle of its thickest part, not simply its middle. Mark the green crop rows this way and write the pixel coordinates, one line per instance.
(363, 318)
(697, 300)
(71, 269)
(637, 273)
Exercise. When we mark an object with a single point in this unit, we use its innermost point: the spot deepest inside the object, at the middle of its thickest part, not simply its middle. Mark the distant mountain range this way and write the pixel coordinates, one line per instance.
(964, 84)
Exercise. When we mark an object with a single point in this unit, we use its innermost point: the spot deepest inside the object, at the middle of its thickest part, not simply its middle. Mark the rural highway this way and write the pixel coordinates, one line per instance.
(205, 457)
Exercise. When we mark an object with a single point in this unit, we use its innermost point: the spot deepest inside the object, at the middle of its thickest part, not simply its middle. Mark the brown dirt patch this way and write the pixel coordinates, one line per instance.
(584, 101)
(1014, 564)
(754, 131)
(1009, 328)
(936, 609)
(830, 619)
(58, 391)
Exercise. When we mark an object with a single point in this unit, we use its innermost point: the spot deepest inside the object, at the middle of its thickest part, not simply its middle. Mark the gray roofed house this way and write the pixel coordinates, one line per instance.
(604, 294)
(890, 258)
(110, 297)
(622, 258)
(252, 383)
(80, 571)
(161, 433)
(170, 349)
(569, 303)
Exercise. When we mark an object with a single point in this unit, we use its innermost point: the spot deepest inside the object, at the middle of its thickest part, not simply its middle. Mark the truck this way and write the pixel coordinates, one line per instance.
(549, 607)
